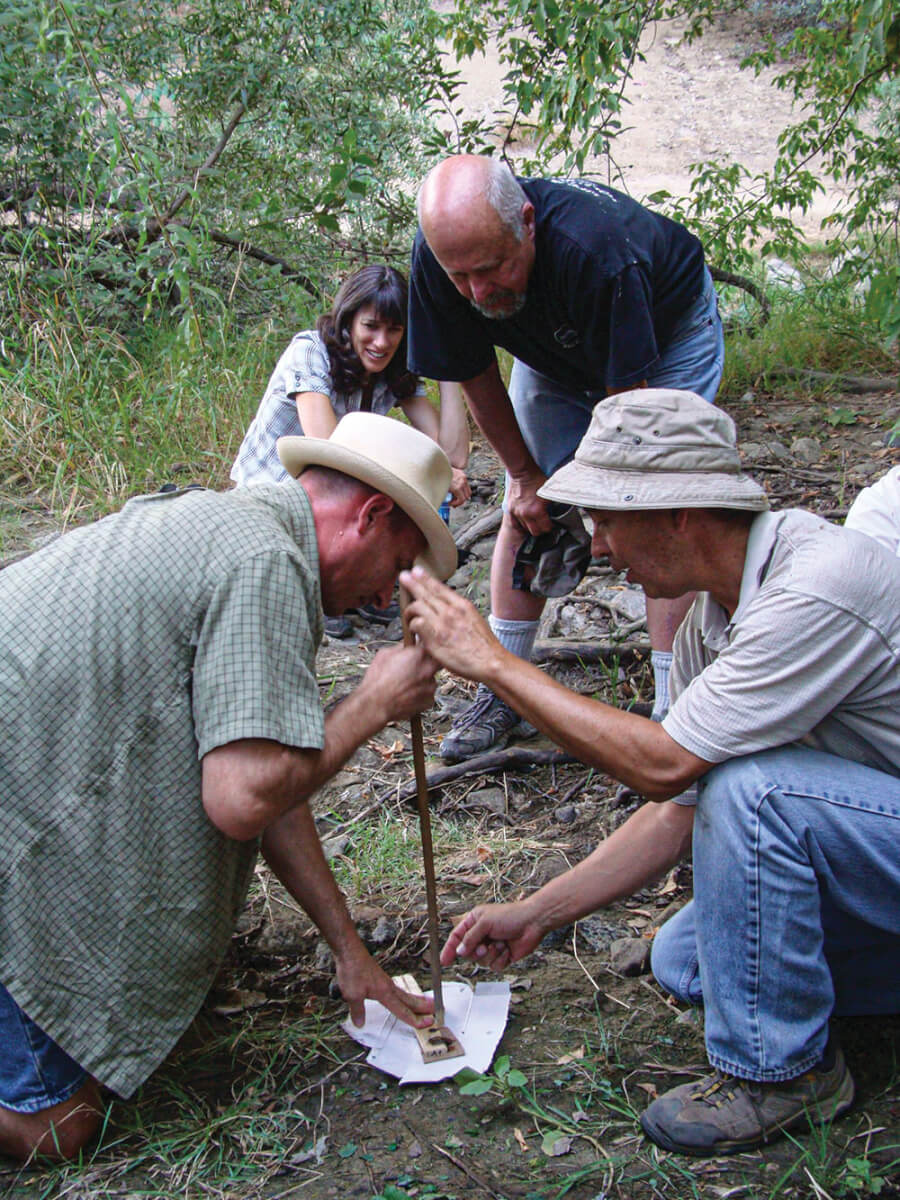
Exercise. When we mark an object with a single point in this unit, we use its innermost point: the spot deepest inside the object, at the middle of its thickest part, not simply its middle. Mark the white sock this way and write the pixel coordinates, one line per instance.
(515, 636)
(662, 661)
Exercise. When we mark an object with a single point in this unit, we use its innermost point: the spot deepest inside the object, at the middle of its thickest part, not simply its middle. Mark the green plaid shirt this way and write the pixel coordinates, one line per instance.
(128, 650)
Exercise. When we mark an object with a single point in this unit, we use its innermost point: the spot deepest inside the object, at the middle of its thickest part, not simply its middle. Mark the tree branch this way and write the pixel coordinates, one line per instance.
(272, 260)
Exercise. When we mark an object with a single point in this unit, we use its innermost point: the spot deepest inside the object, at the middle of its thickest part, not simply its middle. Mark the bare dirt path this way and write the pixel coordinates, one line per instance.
(685, 103)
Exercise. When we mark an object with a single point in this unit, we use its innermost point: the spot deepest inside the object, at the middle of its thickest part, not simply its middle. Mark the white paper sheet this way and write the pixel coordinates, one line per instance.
(477, 1018)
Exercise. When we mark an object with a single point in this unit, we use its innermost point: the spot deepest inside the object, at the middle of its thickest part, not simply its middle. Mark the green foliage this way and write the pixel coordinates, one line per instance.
(841, 71)
(157, 157)
(567, 67)
(819, 329)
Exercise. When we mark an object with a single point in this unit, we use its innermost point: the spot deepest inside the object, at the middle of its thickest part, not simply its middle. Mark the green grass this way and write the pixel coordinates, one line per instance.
(818, 329)
(90, 416)
(87, 421)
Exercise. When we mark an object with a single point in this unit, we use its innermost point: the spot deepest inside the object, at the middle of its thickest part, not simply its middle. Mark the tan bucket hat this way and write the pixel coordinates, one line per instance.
(656, 448)
(394, 459)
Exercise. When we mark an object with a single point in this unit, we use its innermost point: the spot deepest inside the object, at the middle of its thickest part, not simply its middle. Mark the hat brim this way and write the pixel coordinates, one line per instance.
(440, 556)
(600, 488)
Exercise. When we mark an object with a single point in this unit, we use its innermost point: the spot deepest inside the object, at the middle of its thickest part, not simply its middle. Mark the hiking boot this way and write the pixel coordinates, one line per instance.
(720, 1114)
(378, 616)
(338, 627)
(486, 724)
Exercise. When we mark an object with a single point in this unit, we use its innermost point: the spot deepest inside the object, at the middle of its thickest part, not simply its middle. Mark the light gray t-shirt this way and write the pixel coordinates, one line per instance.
(811, 654)
(303, 367)
(129, 649)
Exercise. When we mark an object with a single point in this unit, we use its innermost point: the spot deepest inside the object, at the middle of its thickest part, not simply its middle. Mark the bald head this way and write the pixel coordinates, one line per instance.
(468, 190)
(479, 224)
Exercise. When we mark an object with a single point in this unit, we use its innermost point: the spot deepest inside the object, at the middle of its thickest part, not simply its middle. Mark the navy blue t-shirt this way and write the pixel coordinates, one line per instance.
(610, 281)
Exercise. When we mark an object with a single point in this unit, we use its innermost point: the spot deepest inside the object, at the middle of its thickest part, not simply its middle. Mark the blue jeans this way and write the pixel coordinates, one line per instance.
(796, 910)
(553, 419)
(34, 1072)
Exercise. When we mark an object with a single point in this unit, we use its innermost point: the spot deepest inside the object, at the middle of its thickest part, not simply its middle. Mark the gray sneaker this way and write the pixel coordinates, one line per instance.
(487, 723)
(720, 1114)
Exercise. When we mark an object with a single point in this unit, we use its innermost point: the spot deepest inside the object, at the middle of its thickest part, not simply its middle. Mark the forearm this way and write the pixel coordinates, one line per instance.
(650, 842)
(492, 409)
(423, 417)
(292, 849)
(454, 427)
(631, 748)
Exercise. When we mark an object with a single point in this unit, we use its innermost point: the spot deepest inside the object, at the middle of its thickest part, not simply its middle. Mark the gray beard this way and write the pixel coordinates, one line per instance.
(493, 315)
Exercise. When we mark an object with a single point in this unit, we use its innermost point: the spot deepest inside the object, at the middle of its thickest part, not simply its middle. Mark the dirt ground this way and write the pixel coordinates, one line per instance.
(684, 104)
(593, 1043)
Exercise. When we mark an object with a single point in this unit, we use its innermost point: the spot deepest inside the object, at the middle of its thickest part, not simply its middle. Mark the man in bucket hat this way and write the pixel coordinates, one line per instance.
(785, 714)
(161, 725)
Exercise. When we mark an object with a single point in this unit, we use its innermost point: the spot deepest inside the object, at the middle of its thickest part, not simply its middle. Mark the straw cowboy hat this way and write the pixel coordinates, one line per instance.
(394, 459)
(656, 448)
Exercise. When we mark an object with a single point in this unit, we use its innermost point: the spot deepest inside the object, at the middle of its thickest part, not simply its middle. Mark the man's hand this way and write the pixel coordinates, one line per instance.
(459, 487)
(494, 935)
(450, 629)
(400, 681)
(360, 978)
(525, 506)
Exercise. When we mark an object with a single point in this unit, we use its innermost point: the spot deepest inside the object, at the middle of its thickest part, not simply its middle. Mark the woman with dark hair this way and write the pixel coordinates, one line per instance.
(355, 359)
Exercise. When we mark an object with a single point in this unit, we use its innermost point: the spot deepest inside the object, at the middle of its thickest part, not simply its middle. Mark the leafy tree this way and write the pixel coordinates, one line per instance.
(567, 67)
(156, 155)
(153, 153)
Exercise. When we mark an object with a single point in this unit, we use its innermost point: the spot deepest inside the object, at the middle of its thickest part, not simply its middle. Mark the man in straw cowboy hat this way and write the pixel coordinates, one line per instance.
(161, 724)
(785, 714)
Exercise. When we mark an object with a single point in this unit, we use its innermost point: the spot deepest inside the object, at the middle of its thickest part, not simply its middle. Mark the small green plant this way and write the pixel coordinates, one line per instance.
(841, 416)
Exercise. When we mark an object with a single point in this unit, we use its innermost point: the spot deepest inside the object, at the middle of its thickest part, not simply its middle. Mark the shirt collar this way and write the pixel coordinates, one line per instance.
(760, 545)
(716, 625)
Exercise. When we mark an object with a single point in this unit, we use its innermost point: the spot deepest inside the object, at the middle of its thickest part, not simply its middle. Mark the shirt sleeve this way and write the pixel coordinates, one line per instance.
(784, 672)
(876, 511)
(446, 340)
(254, 666)
(304, 367)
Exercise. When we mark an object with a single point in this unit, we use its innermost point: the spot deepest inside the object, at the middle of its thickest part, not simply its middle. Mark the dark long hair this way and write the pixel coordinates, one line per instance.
(385, 289)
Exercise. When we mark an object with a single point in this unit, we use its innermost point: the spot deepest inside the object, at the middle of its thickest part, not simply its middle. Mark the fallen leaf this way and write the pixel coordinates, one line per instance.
(316, 1151)
(388, 752)
(556, 1143)
(235, 1000)
(575, 1056)
(520, 1138)
(650, 1089)
(472, 880)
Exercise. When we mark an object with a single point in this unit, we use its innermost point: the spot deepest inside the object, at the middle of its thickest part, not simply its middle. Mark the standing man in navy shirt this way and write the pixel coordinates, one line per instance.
(592, 294)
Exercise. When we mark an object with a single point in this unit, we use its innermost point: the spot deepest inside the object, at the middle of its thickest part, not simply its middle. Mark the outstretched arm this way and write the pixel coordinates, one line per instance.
(634, 749)
(316, 412)
(650, 842)
(454, 439)
(492, 409)
(292, 849)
